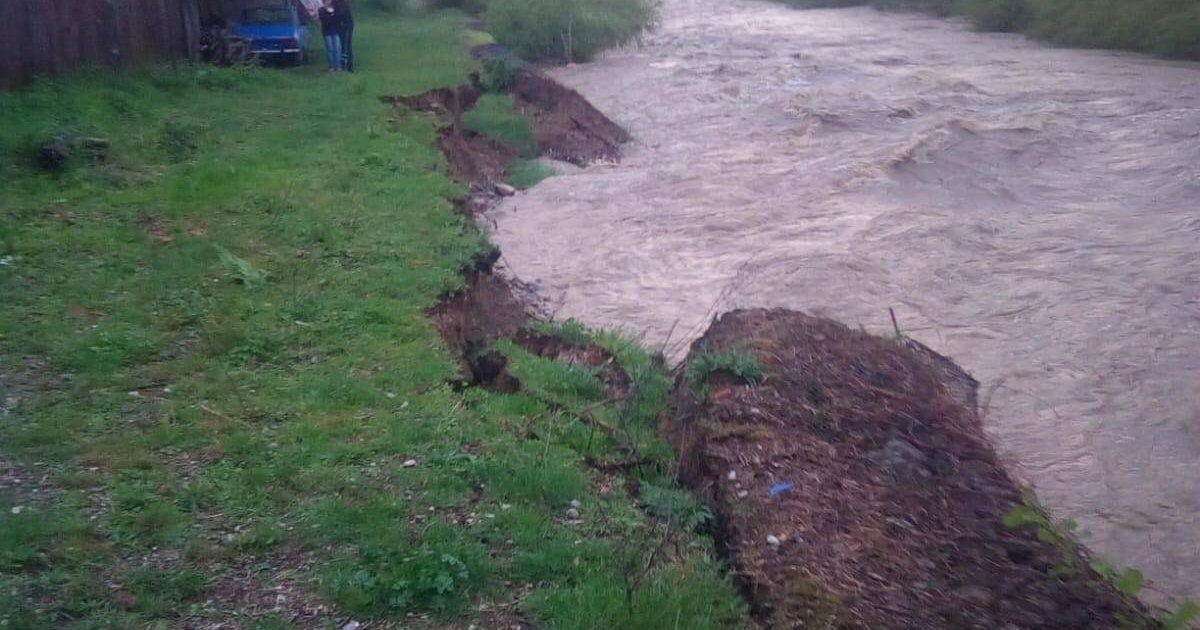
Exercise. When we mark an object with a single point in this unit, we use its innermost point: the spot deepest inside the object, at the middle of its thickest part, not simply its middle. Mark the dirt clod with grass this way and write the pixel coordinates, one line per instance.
(855, 489)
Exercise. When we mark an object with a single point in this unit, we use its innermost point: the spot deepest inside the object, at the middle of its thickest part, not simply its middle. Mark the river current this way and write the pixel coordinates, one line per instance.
(1031, 212)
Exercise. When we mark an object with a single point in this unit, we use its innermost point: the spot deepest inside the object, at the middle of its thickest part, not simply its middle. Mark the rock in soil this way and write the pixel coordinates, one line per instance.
(897, 500)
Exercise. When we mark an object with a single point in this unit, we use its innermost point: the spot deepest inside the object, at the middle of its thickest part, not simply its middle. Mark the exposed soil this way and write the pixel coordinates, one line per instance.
(475, 158)
(565, 125)
(894, 514)
(487, 309)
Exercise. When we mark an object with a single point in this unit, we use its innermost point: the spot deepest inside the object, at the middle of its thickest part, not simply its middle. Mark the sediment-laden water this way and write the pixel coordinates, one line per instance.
(1033, 213)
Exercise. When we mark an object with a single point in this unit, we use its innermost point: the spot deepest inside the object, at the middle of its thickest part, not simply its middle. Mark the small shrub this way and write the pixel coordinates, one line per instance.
(498, 72)
(568, 30)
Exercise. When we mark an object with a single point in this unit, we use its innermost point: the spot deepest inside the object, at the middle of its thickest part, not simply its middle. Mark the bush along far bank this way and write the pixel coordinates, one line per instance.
(561, 31)
(1166, 28)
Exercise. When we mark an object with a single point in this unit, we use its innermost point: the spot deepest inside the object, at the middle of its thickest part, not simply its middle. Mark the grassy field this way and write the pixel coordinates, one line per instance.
(221, 399)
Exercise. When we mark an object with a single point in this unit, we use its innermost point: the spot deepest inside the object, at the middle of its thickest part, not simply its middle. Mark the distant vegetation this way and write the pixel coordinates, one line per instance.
(562, 30)
(1168, 28)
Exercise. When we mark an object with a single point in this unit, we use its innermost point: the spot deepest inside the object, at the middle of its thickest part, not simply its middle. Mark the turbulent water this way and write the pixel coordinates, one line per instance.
(1032, 212)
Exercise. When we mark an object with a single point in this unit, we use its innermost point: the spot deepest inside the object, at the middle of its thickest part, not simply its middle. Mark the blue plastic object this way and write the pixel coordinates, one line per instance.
(781, 487)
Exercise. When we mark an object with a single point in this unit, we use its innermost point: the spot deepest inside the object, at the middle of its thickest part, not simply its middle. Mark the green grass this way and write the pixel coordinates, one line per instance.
(524, 174)
(737, 362)
(216, 343)
(494, 116)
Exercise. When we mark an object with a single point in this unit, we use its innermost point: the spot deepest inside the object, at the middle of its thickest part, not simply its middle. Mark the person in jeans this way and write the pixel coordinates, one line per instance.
(345, 32)
(329, 30)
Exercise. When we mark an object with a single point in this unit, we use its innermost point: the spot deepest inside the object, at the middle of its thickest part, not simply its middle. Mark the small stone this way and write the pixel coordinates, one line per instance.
(773, 540)
(410, 463)
(504, 190)
(732, 476)
(17, 509)
(352, 625)
(743, 494)
(391, 394)
(575, 503)
(573, 514)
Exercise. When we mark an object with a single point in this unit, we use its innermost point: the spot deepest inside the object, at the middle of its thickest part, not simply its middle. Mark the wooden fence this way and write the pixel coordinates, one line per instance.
(44, 37)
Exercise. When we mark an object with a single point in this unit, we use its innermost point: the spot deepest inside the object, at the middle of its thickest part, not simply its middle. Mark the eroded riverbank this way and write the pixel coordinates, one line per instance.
(1029, 211)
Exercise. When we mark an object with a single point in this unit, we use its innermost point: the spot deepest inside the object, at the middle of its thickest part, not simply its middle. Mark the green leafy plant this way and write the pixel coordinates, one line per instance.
(243, 270)
(1060, 534)
(1182, 616)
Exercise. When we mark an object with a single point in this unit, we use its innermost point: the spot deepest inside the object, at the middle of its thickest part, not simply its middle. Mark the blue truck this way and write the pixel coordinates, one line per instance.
(276, 32)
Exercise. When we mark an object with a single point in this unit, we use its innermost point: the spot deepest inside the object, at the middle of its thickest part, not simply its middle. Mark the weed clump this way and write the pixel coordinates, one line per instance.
(738, 363)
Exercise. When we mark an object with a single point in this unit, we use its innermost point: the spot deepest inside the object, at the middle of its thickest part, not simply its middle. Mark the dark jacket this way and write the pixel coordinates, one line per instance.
(330, 21)
(345, 17)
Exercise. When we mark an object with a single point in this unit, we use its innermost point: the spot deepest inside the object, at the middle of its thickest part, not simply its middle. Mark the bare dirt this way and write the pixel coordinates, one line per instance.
(566, 126)
(1029, 211)
(488, 307)
(894, 514)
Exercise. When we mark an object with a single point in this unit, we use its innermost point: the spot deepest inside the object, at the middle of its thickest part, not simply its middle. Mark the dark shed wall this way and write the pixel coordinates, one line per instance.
(42, 37)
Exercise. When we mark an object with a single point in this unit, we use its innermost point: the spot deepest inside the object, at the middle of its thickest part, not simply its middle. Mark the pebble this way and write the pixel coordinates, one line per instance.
(773, 540)
(504, 190)
(573, 514)
(732, 475)
(17, 509)
(352, 625)
(743, 494)
(410, 463)
(575, 503)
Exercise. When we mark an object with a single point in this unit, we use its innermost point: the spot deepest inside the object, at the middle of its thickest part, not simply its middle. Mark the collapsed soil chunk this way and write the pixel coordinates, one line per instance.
(566, 126)
(855, 488)
(447, 102)
(474, 158)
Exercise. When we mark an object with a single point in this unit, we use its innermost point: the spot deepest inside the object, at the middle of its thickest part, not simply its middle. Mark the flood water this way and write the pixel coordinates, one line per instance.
(1031, 212)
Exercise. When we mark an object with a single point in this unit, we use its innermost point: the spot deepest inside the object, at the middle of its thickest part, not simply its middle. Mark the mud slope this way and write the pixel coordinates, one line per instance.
(856, 489)
(1029, 211)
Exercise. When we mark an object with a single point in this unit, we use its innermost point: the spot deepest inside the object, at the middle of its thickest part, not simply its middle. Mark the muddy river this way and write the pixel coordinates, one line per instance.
(1032, 212)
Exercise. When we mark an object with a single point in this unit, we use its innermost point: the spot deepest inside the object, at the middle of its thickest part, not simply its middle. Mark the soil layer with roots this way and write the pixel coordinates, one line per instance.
(855, 488)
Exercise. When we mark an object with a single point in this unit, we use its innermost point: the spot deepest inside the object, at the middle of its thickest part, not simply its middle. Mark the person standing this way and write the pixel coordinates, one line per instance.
(345, 32)
(330, 23)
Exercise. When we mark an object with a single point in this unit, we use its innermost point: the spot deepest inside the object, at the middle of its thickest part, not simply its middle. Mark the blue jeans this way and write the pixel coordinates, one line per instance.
(333, 52)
